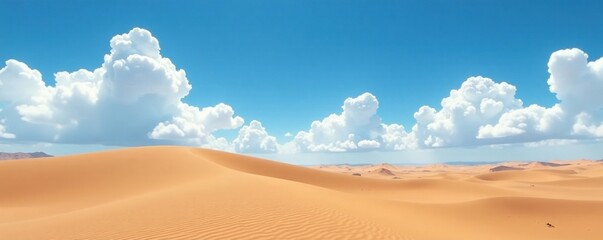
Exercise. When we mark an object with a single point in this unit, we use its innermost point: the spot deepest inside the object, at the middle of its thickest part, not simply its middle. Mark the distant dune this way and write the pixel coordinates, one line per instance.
(542, 164)
(21, 155)
(504, 168)
(188, 193)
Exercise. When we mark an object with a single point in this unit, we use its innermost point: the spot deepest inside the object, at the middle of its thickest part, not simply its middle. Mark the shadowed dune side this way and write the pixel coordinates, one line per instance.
(59, 184)
(504, 168)
(111, 173)
(536, 175)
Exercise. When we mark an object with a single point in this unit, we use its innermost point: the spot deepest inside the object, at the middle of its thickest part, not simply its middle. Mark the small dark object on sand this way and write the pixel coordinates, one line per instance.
(356, 174)
(550, 225)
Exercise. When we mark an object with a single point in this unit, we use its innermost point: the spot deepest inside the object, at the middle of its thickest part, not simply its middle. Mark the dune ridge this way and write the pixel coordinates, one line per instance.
(190, 193)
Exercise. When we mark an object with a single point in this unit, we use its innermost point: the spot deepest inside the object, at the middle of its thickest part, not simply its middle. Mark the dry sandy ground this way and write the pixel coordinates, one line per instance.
(186, 193)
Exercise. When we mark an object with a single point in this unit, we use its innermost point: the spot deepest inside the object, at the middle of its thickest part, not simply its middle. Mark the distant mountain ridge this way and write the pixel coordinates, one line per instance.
(21, 155)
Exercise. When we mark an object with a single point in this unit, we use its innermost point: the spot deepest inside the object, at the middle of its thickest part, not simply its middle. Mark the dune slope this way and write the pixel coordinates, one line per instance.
(188, 193)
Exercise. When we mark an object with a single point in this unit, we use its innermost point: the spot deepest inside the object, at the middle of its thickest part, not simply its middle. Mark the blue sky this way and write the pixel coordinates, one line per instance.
(288, 63)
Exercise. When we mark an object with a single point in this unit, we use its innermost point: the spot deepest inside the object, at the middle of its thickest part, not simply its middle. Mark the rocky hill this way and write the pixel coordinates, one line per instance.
(21, 155)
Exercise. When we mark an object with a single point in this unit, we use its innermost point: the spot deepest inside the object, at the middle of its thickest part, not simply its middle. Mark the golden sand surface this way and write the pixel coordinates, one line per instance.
(189, 193)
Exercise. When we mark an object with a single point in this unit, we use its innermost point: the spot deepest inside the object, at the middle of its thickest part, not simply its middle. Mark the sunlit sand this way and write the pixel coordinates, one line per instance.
(189, 193)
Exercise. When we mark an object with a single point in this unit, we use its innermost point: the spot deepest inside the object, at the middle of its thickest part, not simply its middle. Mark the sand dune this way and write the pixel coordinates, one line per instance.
(542, 164)
(504, 168)
(188, 193)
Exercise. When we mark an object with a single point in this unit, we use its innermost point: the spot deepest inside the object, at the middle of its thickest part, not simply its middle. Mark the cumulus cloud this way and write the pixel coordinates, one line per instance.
(577, 84)
(395, 137)
(586, 125)
(369, 144)
(478, 101)
(356, 128)
(527, 124)
(254, 138)
(134, 98)
(18, 83)
(480, 112)
(192, 123)
(485, 112)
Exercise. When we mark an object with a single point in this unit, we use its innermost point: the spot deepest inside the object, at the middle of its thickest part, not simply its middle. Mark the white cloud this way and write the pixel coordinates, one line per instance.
(369, 144)
(395, 137)
(217, 143)
(134, 98)
(18, 83)
(478, 101)
(3, 133)
(192, 123)
(480, 112)
(357, 128)
(526, 124)
(254, 138)
(577, 84)
(586, 125)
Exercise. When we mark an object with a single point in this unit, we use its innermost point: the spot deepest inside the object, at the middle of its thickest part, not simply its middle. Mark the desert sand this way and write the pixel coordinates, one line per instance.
(189, 193)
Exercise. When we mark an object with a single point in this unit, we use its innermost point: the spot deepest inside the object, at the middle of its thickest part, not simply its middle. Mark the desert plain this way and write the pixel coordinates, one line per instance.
(191, 193)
